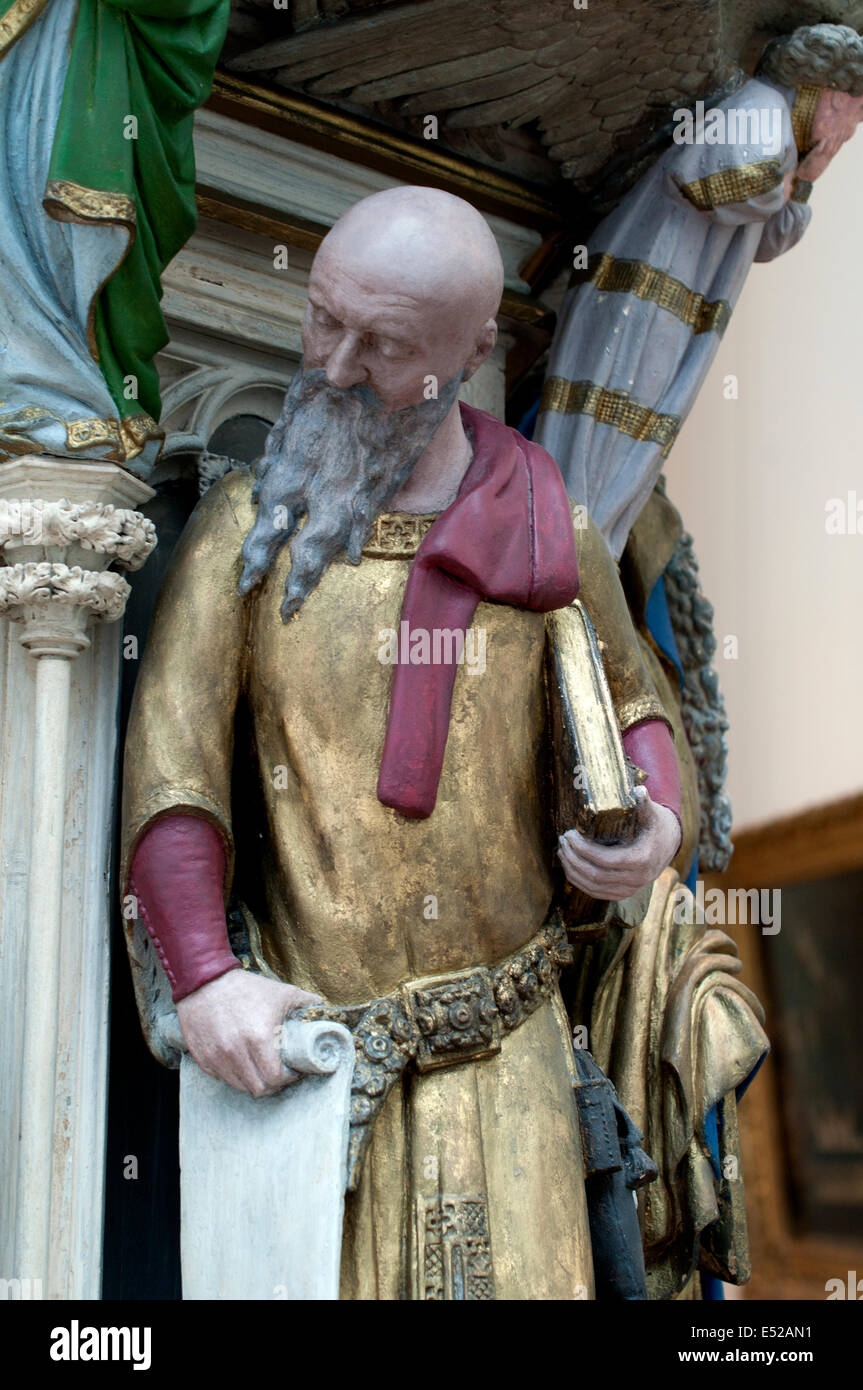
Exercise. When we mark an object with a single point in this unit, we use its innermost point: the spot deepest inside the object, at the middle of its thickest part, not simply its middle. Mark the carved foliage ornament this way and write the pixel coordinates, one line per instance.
(40, 583)
(124, 535)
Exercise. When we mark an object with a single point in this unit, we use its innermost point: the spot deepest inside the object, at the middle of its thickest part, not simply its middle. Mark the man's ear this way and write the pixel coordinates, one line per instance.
(486, 339)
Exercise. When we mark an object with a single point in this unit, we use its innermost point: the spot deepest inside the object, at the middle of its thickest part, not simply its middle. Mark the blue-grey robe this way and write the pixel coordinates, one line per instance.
(636, 336)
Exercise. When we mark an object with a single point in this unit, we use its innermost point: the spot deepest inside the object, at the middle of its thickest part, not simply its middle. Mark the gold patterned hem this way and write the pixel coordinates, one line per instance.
(127, 436)
(605, 272)
(736, 185)
(136, 431)
(398, 535)
(13, 444)
(802, 116)
(73, 202)
(17, 20)
(614, 408)
(66, 201)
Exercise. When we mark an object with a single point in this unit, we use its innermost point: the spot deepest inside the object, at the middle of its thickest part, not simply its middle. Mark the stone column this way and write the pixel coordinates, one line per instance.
(65, 528)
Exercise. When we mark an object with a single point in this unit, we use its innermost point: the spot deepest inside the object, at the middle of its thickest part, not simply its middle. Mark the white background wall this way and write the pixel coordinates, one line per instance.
(751, 478)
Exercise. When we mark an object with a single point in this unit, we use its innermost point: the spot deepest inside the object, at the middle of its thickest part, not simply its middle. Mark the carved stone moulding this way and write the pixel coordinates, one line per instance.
(60, 531)
(116, 534)
(56, 603)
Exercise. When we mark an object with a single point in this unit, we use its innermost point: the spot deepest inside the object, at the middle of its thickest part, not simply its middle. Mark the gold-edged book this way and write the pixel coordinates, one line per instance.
(594, 781)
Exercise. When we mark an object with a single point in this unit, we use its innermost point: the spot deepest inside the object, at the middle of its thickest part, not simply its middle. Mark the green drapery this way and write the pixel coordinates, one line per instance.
(152, 61)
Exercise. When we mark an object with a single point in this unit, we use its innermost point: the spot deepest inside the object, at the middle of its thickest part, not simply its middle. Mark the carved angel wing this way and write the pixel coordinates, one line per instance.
(592, 80)
(583, 75)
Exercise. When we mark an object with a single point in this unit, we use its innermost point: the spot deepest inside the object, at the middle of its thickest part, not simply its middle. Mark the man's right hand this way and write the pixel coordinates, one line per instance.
(231, 1027)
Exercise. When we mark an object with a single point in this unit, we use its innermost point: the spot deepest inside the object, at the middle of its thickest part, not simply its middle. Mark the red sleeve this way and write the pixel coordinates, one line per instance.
(177, 876)
(651, 747)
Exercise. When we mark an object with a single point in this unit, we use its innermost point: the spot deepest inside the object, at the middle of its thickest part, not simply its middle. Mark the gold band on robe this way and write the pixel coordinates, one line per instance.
(736, 185)
(125, 437)
(606, 272)
(441, 1021)
(17, 20)
(615, 408)
(802, 116)
(73, 202)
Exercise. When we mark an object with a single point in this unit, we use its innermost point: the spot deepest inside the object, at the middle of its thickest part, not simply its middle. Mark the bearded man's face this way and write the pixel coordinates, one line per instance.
(385, 349)
(336, 458)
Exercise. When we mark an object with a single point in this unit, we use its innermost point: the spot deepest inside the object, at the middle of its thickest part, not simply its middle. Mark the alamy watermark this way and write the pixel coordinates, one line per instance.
(77, 1343)
(440, 646)
(721, 907)
(19, 1290)
(716, 125)
(22, 520)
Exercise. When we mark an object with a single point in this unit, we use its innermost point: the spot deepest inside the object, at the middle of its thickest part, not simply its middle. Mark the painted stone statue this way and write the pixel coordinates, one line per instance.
(642, 319)
(379, 811)
(96, 197)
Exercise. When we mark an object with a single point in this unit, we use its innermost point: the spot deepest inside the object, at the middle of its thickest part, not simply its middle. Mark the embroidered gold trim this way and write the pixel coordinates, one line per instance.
(17, 20)
(12, 443)
(137, 430)
(87, 434)
(802, 116)
(645, 281)
(615, 408)
(801, 190)
(127, 437)
(733, 185)
(454, 1244)
(397, 535)
(72, 202)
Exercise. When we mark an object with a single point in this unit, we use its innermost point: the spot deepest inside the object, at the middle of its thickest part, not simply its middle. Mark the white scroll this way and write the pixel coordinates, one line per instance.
(263, 1181)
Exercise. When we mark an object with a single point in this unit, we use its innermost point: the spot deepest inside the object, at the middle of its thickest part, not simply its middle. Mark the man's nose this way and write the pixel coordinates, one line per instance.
(343, 364)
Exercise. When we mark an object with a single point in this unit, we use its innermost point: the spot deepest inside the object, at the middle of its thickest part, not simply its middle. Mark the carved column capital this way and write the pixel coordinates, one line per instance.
(121, 536)
(56, 603)
(58, 549)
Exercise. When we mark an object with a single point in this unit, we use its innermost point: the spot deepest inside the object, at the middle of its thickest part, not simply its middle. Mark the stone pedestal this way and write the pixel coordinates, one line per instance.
(65, 528)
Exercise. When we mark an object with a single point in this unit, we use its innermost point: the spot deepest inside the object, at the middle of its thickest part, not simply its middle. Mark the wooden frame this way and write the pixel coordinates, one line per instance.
(553, 212)
(812, 844)
(364, 141)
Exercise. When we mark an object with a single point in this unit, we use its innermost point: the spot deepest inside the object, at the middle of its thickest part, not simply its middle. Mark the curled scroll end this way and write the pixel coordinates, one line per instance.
(316, 1046)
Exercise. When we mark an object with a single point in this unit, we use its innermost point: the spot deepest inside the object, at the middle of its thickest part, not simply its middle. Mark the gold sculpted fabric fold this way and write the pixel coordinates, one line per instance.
(661, 1000)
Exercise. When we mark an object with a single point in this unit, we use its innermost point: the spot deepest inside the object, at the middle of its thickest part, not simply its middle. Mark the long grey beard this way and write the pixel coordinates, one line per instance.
(337, 458)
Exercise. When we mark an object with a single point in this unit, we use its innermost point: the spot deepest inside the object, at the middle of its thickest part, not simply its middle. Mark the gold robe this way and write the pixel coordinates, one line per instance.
(473, 1186)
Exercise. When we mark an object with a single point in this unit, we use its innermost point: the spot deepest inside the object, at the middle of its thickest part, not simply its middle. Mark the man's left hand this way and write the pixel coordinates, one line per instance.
(615, 872)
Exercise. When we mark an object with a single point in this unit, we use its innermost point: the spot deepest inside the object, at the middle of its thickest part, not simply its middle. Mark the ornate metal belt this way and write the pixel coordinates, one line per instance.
(440, 1021)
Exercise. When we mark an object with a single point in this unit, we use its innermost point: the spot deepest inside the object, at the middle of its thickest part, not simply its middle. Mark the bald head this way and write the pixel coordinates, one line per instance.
(404, 287)
(424, 243)
(402, 298)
